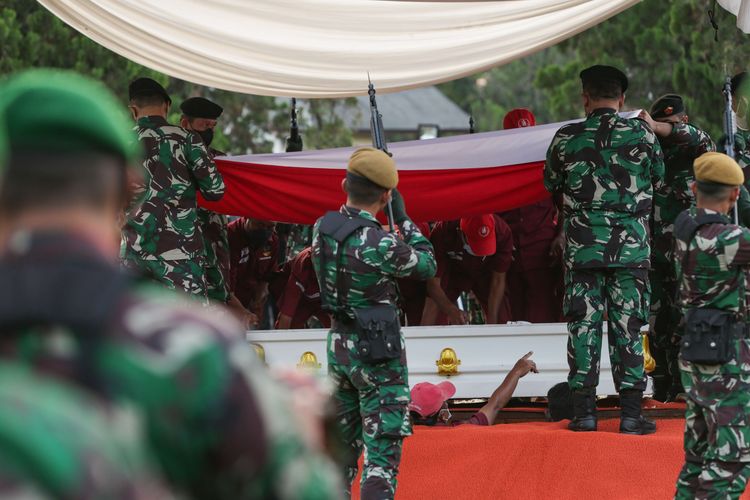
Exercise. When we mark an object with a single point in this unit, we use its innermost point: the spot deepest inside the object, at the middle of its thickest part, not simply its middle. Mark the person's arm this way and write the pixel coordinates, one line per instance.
(554, 182)
(497, 292)
(441, 302)
(661, 129)
(412, 257)
(203, 169)
(245, 317)
(504, 392)
(289, 303)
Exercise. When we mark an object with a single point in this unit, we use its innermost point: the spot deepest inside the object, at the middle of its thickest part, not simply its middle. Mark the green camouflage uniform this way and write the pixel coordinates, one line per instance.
(162, 236)
(217, 425)
(605, 169)
(371, 399)
(216, 241)
(742, 152)
(73, 446)
(714, 274)
(681, 148)
(298, 238)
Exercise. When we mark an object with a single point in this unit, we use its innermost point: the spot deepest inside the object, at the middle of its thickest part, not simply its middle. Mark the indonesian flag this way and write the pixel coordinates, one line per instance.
(440, 179)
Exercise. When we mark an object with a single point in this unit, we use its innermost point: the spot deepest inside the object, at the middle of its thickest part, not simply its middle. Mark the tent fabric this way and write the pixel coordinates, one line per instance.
(440, 179)
(741, 9)
(325, 48)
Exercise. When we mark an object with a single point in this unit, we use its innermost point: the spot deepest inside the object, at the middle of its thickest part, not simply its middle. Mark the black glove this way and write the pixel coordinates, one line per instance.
(398, 207)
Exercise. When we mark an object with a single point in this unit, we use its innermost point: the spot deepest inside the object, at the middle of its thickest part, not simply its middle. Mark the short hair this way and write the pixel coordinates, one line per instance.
(714, 190)
(45, 180)
(606, 89)
(147, 100)
(362, 190)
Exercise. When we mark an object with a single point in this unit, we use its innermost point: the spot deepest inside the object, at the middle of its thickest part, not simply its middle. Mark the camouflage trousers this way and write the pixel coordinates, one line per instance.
(371, 413)
(186, 275)
(216, 285)
(664, 321)
(717, 427)
(623, 293)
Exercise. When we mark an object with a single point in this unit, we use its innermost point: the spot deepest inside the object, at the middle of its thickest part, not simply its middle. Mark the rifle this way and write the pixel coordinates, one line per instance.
(378, 136)
(471, 124)
(729, 131)
(294, 141)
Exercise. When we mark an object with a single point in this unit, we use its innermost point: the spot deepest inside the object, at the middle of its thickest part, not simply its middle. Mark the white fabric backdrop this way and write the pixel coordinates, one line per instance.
(324, 48)
(741, 9)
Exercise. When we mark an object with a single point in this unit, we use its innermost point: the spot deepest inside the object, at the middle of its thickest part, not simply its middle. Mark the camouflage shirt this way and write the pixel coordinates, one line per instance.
(165, 225)
(681, 148)
(217, 424)
(714, 273)
(605, 169)
(371, 260)
(742, 151)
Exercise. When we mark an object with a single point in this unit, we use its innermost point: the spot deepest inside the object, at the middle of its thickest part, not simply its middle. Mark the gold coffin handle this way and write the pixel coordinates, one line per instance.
(448, 362)
(308, 361)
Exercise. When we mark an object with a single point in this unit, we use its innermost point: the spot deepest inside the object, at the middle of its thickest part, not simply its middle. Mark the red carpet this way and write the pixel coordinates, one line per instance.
(540, 460)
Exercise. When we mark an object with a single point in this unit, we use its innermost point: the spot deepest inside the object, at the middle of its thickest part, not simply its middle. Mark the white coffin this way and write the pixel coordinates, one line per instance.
(487, 353)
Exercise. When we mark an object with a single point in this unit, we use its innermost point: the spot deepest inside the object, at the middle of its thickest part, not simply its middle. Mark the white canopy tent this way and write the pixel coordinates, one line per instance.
(325, 48)
(741, 9)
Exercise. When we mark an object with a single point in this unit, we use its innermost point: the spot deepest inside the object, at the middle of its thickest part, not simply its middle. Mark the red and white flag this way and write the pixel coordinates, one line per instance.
(440, 179)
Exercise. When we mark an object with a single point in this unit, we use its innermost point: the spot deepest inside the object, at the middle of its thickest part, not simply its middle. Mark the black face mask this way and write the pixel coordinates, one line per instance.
(207, 136)
(258, 237)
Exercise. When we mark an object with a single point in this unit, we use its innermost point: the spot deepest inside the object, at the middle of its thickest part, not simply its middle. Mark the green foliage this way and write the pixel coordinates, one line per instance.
(30, 36)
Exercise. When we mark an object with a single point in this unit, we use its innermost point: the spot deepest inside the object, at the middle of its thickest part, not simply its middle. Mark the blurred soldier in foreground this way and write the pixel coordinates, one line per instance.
(602, 173)
(199, 115)
(535, 276)
(357, 263)
(681, 143)
(215, 424)
(712, 261)
(162, 236)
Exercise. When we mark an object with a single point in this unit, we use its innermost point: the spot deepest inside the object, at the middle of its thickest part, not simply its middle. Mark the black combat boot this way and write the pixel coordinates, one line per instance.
(631, 420)
(584, 411)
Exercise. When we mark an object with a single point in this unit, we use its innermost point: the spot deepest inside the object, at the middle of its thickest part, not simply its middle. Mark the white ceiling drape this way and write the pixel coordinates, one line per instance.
(324, 48)
(741, 9)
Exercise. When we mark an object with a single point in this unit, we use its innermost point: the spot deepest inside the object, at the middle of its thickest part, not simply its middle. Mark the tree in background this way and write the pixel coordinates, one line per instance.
(30, 36)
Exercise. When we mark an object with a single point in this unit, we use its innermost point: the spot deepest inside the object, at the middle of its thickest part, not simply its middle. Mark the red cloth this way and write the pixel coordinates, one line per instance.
(539, 460)
(301, 296)
(251, 263)
(300, 195)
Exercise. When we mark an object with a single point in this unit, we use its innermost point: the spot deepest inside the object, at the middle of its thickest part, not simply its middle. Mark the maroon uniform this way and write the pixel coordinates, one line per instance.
(300, 298)
(534, 279)
(459, 271)
(253, 259)
(413, 292)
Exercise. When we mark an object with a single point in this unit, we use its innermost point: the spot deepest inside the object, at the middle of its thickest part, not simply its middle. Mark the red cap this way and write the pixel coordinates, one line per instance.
(519, 118)
(480, 234)
(427, 398)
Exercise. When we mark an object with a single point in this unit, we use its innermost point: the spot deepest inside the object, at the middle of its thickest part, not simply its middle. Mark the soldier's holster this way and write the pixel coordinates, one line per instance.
(709, 333)
(377, 327)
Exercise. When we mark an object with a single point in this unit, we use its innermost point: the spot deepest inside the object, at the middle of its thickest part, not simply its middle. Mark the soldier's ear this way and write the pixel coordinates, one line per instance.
(343, 186)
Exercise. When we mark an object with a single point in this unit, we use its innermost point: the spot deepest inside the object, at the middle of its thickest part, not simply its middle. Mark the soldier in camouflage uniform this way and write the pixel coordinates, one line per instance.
(162, 236)
(199, 115)
(214, 423)
(681, 143)
(602, 173)
(355, 274)
(712, 263)
(741, 107)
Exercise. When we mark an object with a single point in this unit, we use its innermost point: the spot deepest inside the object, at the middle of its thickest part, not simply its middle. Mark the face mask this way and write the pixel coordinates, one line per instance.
(258, 237)
(207, 136)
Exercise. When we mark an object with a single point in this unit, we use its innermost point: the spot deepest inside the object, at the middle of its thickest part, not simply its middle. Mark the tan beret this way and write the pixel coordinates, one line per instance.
(719, 168)
(374, 165)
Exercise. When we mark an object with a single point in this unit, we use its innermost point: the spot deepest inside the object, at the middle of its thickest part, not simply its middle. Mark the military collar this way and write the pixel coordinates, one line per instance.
(714, 212)
(602, 112)
(152, 121)
(356, 212)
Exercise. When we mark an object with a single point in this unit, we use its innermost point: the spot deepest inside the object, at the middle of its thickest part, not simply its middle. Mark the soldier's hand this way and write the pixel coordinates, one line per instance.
(525, 365)
(398, 206)
(557, 246)
(250, 320)
(643, 115)
(457, 317)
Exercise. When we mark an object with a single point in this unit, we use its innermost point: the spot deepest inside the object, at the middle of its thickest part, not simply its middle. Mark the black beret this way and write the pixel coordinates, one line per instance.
(600, 73)
(199, 107)
(146, 87)
(737, 81)
(667, 105)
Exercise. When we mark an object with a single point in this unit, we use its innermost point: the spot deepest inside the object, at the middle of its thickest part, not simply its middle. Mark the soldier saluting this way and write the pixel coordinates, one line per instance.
(357, 264)
(601, 173)
(712, 261)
